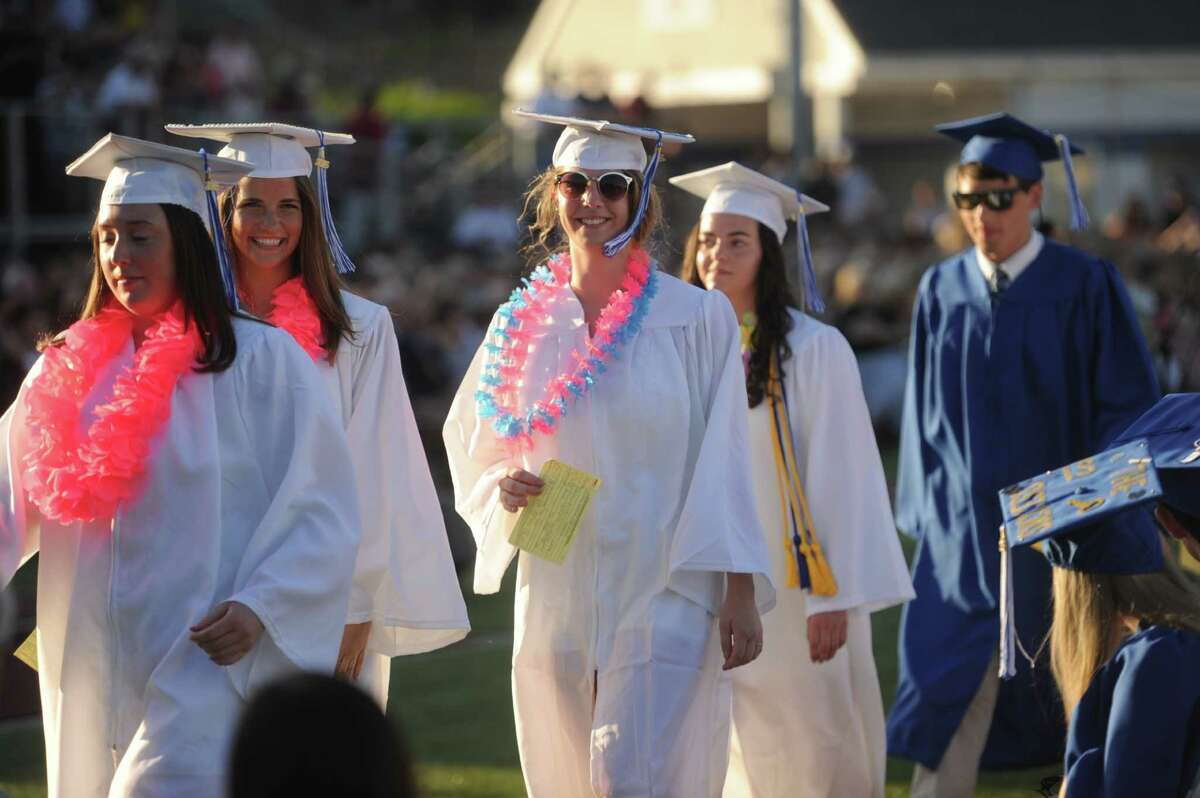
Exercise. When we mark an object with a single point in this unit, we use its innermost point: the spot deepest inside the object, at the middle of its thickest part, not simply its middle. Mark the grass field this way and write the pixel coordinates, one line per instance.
(455, 710)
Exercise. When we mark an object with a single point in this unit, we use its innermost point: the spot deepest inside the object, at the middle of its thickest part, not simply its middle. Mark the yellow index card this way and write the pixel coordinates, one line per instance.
(549, 523)
(27, 651)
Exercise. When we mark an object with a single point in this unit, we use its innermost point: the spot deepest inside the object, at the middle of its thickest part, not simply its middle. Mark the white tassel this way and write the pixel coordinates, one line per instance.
(1008, 649)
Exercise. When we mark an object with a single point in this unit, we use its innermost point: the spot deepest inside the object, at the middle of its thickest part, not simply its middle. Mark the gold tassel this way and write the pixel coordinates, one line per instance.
(786, 506)
(822, 582)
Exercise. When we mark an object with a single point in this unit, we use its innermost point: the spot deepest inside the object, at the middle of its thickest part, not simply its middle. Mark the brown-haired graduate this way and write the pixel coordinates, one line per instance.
(1025, 354)
(287, 258)
(808, 714)
(610, 367)
(1125, 639)
(180, 470)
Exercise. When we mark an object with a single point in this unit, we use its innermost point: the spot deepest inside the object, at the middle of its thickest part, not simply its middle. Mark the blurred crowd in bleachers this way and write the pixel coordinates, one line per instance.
(435, 232)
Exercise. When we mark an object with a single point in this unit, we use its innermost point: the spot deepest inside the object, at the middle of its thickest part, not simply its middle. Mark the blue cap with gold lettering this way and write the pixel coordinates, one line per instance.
(1096, 515)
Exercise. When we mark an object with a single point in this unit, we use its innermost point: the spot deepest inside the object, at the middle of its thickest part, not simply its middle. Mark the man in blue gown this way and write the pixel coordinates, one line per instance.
(1025, 354)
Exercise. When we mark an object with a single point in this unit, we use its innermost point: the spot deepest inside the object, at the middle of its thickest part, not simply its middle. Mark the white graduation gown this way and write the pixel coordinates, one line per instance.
(404, 580)
(248, 496)
(802, 730)
(617, 682)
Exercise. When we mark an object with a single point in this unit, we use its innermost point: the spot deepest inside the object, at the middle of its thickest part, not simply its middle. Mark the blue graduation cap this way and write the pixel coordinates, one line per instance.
(1096, 514)
(1172, 429)
(1004, 142)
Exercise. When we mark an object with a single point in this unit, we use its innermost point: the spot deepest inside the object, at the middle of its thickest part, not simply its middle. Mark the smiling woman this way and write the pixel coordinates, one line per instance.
(288, 258)
(604, 364)
(574, 204)
(274, 226)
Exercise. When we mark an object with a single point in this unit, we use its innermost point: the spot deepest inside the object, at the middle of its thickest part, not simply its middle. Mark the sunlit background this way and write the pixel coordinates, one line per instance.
(836, 96)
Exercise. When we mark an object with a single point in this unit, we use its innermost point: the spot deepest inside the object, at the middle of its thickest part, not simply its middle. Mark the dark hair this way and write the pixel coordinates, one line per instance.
(312, 734)
(772, 299)
(545, 238)
(981, 171)
(197, 281)
(312, 261)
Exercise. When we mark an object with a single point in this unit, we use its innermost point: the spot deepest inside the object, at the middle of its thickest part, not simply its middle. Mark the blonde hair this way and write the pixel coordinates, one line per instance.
(1090, 608)
(541, 207)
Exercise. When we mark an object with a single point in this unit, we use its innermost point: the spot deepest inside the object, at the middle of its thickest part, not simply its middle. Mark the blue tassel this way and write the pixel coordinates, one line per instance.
(812, 295)
(614, 246)
(340, 259)
(1079, 214)
(214, 221)
(802, 562)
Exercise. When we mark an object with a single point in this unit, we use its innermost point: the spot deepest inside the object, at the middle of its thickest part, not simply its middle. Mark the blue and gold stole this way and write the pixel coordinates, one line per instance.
(807, 567)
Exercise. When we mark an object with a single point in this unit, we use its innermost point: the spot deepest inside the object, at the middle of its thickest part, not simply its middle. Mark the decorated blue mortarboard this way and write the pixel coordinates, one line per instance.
(1097, 515)
(1004, 142)
(733, 188)
(278, 150)
(1172, 429)
(596, 144)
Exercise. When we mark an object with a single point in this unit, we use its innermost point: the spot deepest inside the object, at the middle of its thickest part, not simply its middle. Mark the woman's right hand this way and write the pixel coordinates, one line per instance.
(516, 488)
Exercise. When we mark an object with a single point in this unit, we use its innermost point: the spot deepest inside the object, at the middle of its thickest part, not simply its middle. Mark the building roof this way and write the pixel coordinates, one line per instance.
(929, 26)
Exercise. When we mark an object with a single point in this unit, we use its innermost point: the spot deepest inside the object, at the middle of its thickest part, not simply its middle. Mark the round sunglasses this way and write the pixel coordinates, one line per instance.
(611, 185)
(997, 199)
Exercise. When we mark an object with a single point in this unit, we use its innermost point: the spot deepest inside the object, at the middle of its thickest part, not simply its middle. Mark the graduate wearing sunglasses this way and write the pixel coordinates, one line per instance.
(1025, 354)
(603, 362)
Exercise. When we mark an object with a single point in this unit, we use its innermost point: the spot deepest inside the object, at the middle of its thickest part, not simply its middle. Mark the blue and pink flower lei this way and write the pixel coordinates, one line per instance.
(508, 344)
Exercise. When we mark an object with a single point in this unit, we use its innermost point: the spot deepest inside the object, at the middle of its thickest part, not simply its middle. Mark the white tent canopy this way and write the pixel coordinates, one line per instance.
(676, 53)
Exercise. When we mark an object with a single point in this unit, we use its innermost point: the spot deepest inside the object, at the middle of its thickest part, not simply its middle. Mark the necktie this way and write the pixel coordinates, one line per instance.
(1000, 281)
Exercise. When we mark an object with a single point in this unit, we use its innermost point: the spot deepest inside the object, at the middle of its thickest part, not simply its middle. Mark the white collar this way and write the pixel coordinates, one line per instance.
(1016, 262)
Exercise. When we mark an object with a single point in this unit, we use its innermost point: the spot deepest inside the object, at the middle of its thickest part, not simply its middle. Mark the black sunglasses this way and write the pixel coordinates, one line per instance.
(998, 199)
(611, 185)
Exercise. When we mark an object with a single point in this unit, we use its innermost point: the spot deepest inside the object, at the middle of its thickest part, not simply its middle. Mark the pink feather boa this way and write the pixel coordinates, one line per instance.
(293, 310)
(72, 477)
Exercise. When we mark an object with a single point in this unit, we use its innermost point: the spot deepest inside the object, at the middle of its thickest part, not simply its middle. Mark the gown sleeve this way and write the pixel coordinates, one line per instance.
(1132, 729)
(478, 461)
(19, 520)
(843, 477)
(404, 578)
(719, 529)
(298, 561)
(1124, 385)
(911, 472)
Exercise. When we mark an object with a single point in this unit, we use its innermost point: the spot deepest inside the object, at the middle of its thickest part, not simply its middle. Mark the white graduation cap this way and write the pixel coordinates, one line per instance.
(138, 172)
(275, 149)
(733, 188)
(596, 144)
(279, 150)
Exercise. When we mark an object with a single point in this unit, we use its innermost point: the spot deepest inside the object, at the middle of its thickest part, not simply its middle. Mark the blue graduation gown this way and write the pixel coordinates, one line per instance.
(998, 390)
(1136, 730)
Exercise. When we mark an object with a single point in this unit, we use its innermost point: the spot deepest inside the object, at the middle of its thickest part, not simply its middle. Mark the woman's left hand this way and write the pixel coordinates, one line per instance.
(228, 633)
(353, 650)
(826, 634)
(740, 625)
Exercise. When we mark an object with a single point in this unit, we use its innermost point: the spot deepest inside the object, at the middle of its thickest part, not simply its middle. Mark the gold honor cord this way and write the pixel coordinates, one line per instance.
(792, 500)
